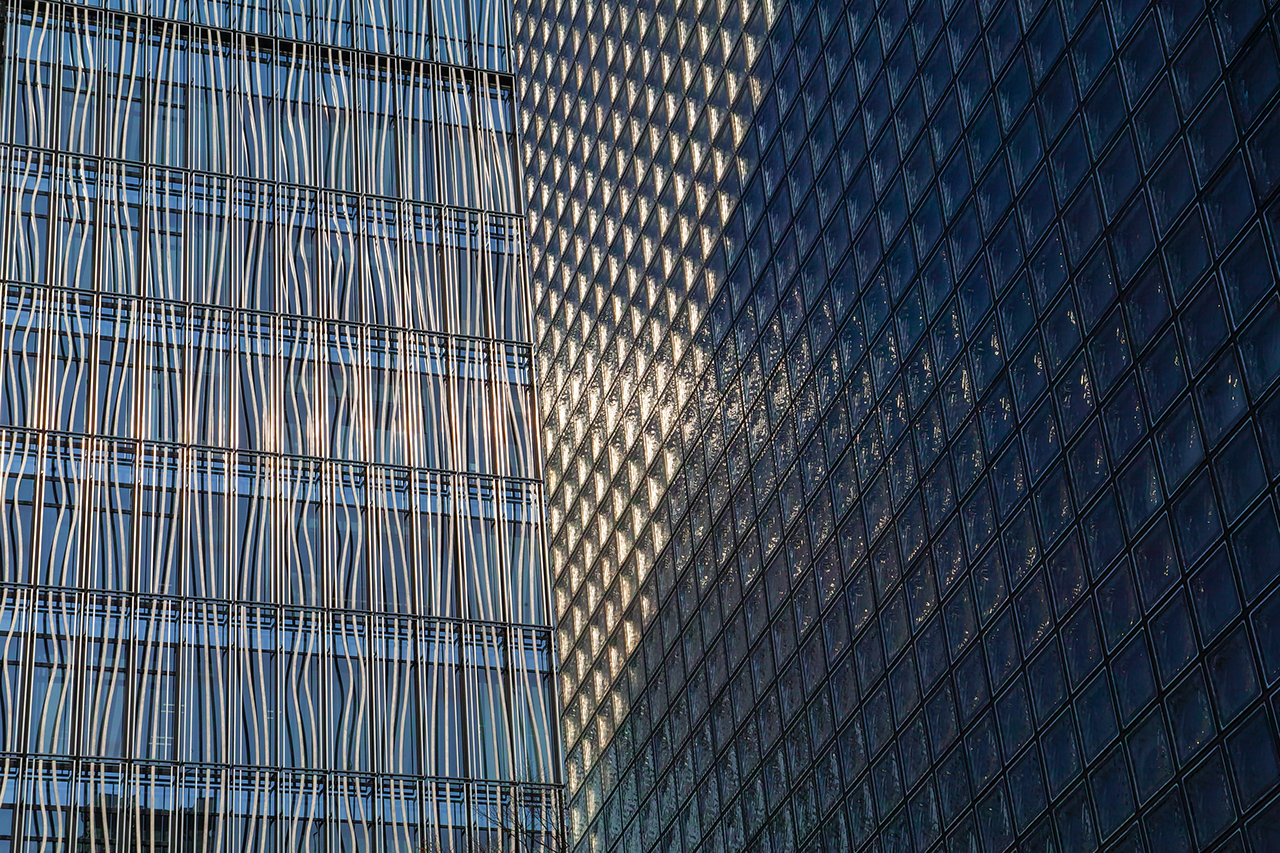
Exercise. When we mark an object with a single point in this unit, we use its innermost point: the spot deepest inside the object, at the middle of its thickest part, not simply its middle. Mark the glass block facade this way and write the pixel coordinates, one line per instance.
(908, 378)
(270, 490)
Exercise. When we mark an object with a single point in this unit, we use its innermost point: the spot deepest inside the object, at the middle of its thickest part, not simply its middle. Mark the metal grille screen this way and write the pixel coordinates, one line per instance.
(270, 496)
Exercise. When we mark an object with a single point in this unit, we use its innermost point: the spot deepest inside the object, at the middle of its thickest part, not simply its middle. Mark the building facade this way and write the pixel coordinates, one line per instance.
(909, 396)
(270, 491)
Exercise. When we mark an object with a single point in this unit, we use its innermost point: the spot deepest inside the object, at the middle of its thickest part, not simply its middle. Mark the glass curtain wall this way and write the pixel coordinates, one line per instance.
(270, 489)
(909, 387)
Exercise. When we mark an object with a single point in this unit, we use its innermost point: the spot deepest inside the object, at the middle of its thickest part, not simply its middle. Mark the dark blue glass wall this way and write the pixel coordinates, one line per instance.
(908, 379)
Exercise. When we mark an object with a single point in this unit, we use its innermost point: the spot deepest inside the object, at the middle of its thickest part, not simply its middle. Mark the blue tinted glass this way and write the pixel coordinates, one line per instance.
(992, 455)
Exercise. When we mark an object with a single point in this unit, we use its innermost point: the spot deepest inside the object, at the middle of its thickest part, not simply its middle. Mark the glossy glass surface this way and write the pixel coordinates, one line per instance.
(270, 494)
(909, 390)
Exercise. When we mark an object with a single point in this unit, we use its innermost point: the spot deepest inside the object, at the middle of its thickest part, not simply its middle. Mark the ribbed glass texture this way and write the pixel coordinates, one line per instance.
(270, 491)
(908, 376)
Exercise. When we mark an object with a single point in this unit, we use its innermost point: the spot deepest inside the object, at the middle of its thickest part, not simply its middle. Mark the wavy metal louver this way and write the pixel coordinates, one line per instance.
(270, 491)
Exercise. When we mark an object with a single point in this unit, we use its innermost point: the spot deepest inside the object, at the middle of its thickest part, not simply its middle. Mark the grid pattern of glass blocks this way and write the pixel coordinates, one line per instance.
(908, 377)
(270, 493)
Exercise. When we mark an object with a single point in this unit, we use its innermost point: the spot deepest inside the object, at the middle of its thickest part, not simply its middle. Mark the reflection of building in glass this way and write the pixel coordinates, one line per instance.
(270, 494)
(912, 436)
